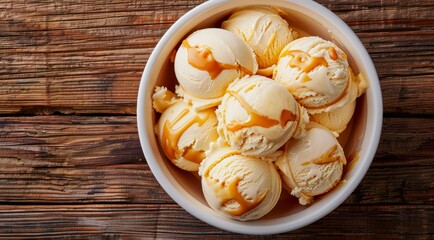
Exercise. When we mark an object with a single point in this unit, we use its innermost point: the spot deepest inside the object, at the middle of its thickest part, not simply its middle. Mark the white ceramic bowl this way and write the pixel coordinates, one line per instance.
(363, 138)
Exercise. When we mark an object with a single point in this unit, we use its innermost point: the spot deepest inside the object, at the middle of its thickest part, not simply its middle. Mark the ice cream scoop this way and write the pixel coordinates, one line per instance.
(316, 72)
(264, 30)
(312, 165)
(185, 135)
(237, 186)
(258, 115)
(208, 60)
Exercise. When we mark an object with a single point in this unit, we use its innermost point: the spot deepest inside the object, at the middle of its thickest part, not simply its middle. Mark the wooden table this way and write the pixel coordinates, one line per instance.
(70, 158)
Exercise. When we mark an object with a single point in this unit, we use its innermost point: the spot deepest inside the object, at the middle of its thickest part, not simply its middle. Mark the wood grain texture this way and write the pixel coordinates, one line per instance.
(68, 141)
(87, 58)
(134, 183)
(63, 141)
(169, 221)
(78, 57)
(63, 175)
(79, 159)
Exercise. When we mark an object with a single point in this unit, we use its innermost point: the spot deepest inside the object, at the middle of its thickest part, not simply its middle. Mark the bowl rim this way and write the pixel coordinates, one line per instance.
(375, 113)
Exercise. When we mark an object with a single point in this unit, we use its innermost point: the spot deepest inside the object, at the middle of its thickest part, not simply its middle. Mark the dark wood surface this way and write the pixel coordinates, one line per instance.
(70, 158)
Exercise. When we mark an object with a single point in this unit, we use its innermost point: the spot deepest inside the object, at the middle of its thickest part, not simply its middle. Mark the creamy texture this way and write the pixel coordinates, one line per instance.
(257, 116)
(264, 30)
(203, 59)
(185, 135)
(337, 119)
(260, 134)
(240, 187)
(197, 104)
(312, 165)
(316, 72)
(163, 98)
(208, 60)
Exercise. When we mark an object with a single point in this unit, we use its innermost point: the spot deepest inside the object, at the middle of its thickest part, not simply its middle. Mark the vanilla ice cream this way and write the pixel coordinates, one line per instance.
(258, 115)
(254, 105)
(240, 187)
(163, 99)
(316, 72)
(312, 165)
(208, 60)
(185, 135)
(264, 30)
(337, 119)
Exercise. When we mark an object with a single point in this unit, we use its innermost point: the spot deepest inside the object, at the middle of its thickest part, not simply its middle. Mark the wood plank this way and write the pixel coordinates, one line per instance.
(87, 58)
(131, 183)
(98, 159)
(410, 95)
(78, 58)
(134, 183)
(62, 141)
(406, 137)
(164, 221)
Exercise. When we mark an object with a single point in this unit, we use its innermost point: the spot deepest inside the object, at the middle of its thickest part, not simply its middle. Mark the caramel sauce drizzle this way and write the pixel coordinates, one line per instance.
(325, 158)
(232, 193)
(169, 95)
(256, 119)
(303, 60)
(352, 160)
(172, 56)
(305, 78)
(354, 156)
(337, 99)
(195, 156)
(332, 53)
(170, 138)
(203, 59)
(287, 116)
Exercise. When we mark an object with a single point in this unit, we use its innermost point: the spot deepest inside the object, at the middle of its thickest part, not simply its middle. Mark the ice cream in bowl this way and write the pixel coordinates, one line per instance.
(259, 118)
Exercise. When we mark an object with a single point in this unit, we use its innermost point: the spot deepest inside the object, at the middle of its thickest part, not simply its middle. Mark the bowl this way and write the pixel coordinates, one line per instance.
(360, 140)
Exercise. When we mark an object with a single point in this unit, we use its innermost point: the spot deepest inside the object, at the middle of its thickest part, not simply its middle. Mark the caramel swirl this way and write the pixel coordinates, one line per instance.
(256, 119)
(303, 60)
(339, 98)
(332, 53)
(195, 156)
(232, 193)
(170, 137)
(203, 59)
(325, 158)
(287, 116)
